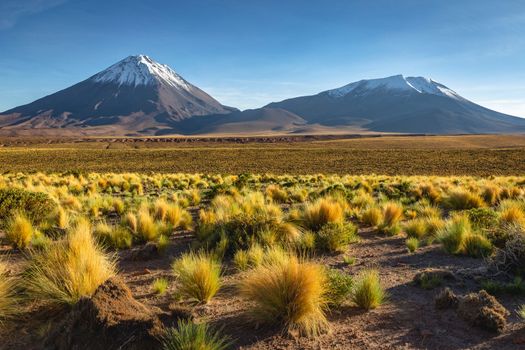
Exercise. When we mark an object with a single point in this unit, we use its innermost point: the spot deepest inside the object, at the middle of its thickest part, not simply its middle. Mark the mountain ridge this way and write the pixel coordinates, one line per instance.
(139, 96)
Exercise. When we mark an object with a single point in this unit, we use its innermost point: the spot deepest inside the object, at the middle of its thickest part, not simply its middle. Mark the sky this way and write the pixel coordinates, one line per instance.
(248, 53)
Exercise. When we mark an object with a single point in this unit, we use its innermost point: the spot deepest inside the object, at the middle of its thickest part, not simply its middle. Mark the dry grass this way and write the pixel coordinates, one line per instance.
(198, 276)
(321, 212)
(20, 231)
(289, 293)
(69, 269)
(438, 155)
(8, 299)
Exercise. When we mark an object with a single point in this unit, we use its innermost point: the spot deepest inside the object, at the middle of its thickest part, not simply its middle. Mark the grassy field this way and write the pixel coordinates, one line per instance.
(429, 155)
(152, 261)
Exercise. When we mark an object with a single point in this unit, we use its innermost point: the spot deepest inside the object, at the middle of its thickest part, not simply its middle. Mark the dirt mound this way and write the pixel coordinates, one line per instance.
(479, 309)
(483, 310)
(111, 319)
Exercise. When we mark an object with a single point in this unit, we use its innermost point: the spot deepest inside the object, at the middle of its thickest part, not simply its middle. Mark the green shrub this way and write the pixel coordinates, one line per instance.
(36, 206)
(368, 293)
(483, 218)
(335, 237)
(339, 287)
(191, 336)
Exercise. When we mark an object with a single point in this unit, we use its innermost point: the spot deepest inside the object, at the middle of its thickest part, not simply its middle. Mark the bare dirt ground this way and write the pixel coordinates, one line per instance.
(407, 321)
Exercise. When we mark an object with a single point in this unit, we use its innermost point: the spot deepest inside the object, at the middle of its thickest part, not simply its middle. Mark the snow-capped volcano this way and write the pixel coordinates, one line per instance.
(133, 96)
(141, 70)
(420, 85)
(400, 104)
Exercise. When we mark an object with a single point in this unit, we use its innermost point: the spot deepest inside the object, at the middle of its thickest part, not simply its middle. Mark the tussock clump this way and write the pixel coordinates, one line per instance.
(237, 223)
(147, 230)
(321, 212)
(289, 293)
(392, 215)
(8, 299)
(191, 336)
(412, 244)
(198, 276)
(371, 216)
(335, 237)
(69, 269)
(458, 237)
(276, 194)
(463, 200)
(115, 237)
(416, 228)
(20, 231)
(339, 287)
(368, 292)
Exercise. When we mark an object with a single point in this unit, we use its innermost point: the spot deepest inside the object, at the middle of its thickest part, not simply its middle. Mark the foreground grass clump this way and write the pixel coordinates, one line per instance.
(368, 293)
(392, 215)
(340, 287)
(289, 293)
(8, 300)
(198, 276)
(191, 336)
(69, 269)
(19, 232)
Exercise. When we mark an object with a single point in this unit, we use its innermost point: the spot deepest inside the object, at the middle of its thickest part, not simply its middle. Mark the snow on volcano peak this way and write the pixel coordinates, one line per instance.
(397, 82)
(141, 70)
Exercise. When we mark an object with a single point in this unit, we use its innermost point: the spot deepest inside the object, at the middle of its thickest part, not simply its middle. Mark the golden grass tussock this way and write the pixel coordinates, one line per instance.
(392, 214)
(20, 231)
(198, 276)
(321, 212)
(68, 269)
(288, 292)
(371, 216)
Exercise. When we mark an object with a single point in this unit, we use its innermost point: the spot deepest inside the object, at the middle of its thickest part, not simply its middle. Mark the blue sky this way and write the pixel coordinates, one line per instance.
(247, 53)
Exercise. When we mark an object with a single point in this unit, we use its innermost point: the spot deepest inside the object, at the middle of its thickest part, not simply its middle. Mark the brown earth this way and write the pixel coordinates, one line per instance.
(409, 319)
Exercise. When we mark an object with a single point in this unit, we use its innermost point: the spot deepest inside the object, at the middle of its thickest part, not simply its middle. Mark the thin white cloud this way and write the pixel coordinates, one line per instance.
(12, 10)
